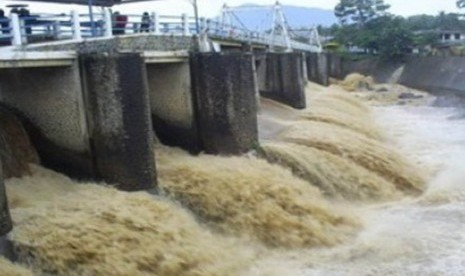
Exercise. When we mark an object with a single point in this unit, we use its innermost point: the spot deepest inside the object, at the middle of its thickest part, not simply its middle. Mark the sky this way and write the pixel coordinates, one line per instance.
(211, 8)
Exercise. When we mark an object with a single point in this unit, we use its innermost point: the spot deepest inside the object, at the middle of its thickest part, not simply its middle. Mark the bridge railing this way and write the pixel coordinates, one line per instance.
(20, 30)
(43, 27)
(5, 32)
(219, 30)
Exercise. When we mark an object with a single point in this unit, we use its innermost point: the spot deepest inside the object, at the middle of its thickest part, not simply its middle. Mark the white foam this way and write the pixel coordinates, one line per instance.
(424, 236)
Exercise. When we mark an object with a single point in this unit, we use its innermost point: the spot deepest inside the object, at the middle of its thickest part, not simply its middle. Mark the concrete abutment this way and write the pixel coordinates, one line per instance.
(6, 223)
(224, 89)
(318, 68)
(119, 117)
(335, 66)
(281, 77)
(94, 117)
(5, 220)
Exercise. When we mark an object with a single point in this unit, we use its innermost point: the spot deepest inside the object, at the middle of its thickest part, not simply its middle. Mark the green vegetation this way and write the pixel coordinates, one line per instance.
(359, 11)
(461, 4)
(367, 27)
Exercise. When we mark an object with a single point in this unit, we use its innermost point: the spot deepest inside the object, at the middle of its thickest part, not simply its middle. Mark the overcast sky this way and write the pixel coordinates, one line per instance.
(210, 8)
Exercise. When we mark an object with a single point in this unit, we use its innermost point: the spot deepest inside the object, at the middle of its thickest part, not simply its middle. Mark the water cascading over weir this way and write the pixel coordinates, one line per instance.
(90, 106)
(93, 109)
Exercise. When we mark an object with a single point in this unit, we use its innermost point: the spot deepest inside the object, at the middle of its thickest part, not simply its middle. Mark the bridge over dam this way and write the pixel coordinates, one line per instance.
(91, 106)
(94, 108)
(93, 100)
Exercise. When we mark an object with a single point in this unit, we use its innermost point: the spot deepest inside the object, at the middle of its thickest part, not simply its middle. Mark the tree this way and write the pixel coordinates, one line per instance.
(442, 21)
(395, 38)
(448, 21)
(422, 22)
(460, 4)
(387, 36)
(359, 11)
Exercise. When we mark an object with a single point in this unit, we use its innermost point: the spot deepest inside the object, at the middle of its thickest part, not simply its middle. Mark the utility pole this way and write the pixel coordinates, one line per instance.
(91, 17)
(196, 11)
(196, 14)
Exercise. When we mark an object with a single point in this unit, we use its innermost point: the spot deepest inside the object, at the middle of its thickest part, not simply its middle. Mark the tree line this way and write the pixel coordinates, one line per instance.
(368, 26)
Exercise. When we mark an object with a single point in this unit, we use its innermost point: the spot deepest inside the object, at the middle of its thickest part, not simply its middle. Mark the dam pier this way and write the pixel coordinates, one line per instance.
(92, 107)
(153, 144)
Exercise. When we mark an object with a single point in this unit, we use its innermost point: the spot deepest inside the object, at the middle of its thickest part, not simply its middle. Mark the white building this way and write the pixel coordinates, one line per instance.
(451, 35)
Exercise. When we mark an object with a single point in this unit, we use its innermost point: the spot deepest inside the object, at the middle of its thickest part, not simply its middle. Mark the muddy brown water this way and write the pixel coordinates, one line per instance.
(353, 187)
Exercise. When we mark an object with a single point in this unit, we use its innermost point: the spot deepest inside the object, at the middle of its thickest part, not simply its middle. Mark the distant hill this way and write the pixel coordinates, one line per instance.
(296, 16)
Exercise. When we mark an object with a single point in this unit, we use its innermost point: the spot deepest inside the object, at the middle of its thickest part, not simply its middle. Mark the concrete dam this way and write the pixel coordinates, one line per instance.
(145, 156)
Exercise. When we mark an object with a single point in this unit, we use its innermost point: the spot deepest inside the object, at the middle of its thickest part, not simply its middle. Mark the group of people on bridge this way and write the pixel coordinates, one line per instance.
(23, 14)
(120, 23)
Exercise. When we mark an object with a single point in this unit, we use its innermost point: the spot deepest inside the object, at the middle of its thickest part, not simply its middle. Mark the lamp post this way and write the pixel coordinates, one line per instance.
(196, 14)
(91, 17)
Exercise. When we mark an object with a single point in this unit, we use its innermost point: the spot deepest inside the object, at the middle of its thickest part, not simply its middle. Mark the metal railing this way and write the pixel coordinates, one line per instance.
(18, 31)
(216, 29)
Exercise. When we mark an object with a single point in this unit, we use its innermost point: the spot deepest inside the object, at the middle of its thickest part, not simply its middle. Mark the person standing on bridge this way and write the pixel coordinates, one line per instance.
(25, 15)
(145, 23)
(4, 23)
(119, 23)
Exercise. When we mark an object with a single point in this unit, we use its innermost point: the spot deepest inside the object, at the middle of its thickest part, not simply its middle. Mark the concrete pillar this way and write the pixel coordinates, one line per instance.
(317, 66)
(6, 248)
(108, 23)
(304, 68)
(185, 25)
(225, 101)
(323, 70)
(56, 30)
(311, 66)
(76, 25)
(5, 221)
(246, 47)
(155, 23)
(281, 77)
(15, 26)
(335, 66)
(119, 119)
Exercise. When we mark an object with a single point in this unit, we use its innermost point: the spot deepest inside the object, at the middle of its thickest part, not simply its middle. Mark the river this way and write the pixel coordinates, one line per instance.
(375, 190)
(422, 235)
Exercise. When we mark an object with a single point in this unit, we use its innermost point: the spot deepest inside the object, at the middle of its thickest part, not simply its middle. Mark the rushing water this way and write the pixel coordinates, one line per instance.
(373, 191)
(413, 236)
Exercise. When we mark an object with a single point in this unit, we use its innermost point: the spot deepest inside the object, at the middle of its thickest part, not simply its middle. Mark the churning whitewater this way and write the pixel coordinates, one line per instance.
(357, 184)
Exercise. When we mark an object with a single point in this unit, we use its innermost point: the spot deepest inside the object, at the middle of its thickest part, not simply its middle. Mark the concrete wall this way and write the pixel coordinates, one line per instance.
(6, 224)
(120, 119)
(335, 66)
(51, 102)
(91, 119)
(225, 89)
(381, 71)
(5, 219)
(137, 43)
(317, 68)
(51, 98)
(281, 76)
(441, 75)
(171, 104)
